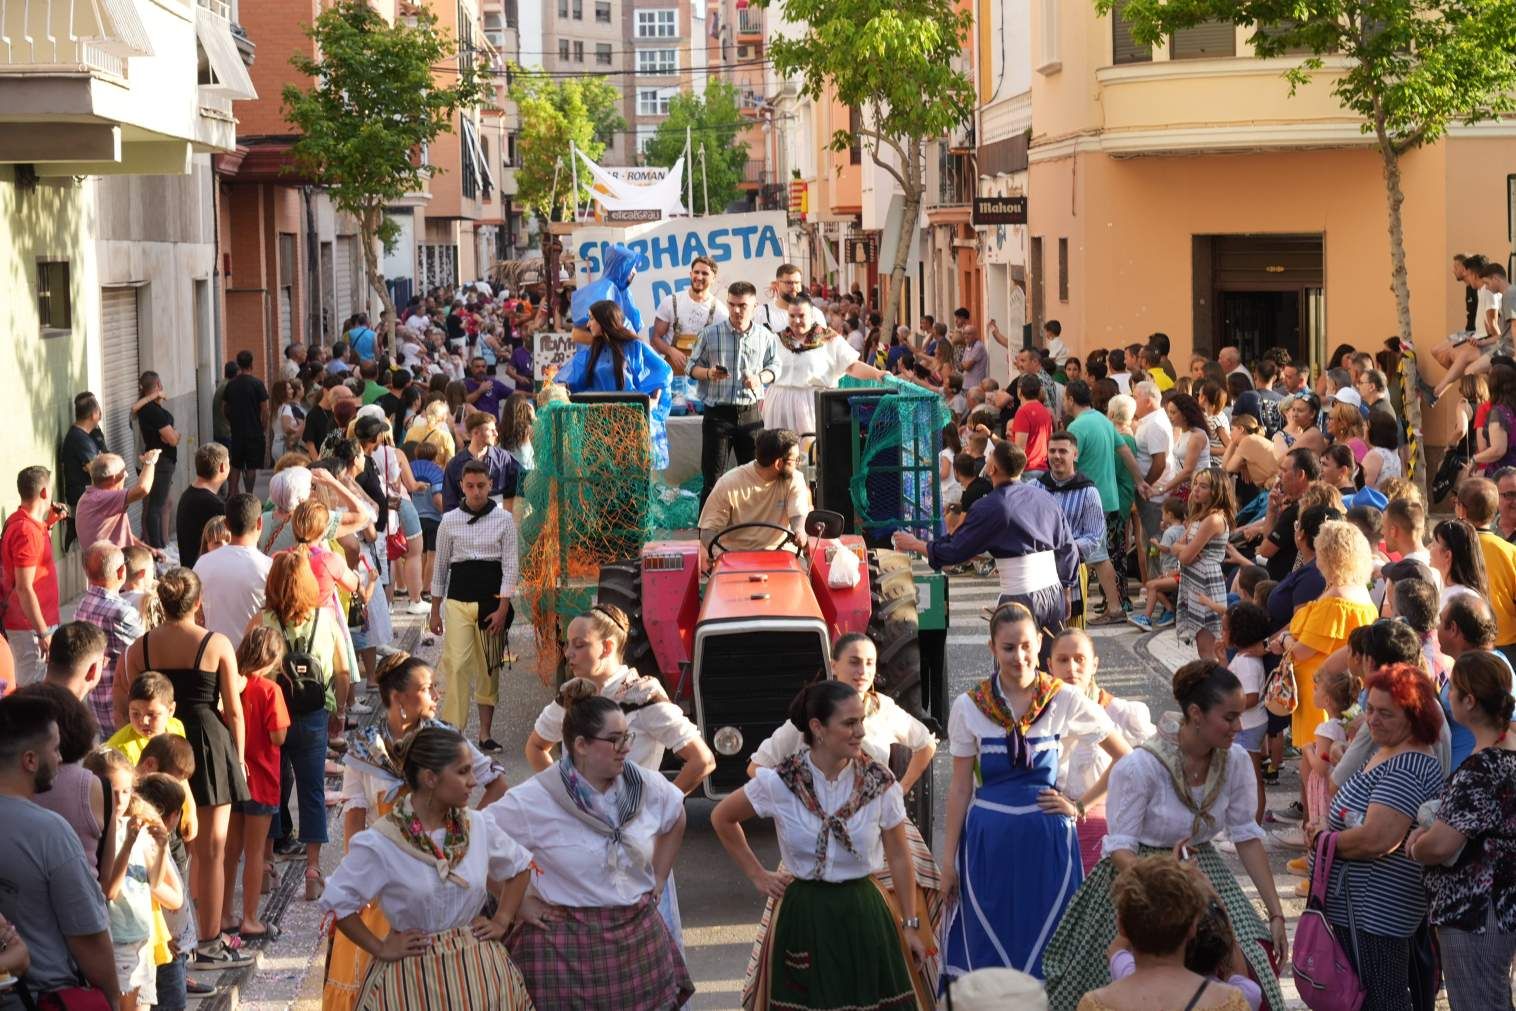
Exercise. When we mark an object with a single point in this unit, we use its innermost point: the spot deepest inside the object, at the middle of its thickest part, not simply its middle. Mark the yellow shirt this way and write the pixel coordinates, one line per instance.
(131, 744)
(1500, 570)
(1161, 380)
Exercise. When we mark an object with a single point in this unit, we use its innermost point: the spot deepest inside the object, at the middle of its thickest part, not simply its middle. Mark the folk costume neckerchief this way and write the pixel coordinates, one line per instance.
(475, 515)
(576, 797)
(870, 779)
(808, 341)
(403, 828)
(1203, 823)
(631, 691)
(988, 700)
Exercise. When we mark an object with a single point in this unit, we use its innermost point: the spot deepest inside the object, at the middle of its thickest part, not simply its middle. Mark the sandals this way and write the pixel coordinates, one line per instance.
(315, 884)
(268, 934)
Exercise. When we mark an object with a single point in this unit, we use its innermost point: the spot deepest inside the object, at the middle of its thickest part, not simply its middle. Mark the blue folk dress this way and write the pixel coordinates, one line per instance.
(646, 372)
(1018, 866)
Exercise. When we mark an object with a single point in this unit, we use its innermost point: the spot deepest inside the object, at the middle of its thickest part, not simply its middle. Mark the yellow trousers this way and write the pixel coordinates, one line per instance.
(470, 662)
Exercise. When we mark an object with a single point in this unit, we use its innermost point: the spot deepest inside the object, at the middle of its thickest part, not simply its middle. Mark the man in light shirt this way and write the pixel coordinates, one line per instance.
(232, 577)
(685, 313)
(768, 489)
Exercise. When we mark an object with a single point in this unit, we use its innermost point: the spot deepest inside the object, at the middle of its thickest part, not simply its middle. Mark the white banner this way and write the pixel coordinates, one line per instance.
(746, 247)
(551, 349)
(637, 175)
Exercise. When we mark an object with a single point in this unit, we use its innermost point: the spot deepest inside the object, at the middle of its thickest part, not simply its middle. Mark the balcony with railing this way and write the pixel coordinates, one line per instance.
(749, 24)
(91, 87)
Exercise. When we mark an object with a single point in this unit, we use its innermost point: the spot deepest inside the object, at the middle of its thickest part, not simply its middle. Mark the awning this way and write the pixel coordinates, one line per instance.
(125, 35)
(482, 174)
(227, 69)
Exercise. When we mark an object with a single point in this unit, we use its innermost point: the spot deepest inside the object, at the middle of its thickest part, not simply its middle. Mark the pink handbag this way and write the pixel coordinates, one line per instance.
(1324, 976)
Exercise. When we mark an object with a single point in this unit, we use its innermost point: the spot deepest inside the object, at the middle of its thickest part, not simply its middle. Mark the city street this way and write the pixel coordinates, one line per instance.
(720, 910)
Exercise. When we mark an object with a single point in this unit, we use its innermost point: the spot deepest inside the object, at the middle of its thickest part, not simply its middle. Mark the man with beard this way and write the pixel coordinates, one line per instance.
(1079, 499)
(47, 890)
(776, 315)
(685, 313)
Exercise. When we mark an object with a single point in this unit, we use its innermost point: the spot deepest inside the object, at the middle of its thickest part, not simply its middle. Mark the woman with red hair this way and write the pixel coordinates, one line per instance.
(1371, 815)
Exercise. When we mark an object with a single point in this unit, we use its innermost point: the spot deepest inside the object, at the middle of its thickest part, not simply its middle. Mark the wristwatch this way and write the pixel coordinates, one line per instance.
(911, 922)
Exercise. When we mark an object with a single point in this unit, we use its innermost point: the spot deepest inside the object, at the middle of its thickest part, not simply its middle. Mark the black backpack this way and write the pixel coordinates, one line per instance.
(301, 679)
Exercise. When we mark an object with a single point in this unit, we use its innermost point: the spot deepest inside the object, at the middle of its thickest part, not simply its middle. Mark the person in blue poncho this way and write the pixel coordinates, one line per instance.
(614, 284)
(617, 360)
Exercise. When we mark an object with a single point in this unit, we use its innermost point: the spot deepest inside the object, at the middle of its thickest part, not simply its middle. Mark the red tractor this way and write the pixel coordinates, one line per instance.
(764, 628)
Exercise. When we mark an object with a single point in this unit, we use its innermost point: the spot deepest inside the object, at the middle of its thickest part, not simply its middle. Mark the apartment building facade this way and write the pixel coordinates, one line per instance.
(108, 215)
(667, 55)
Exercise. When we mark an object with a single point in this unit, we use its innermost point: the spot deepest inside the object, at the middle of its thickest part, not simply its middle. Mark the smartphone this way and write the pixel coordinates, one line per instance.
(1184, 853)
(719, 370)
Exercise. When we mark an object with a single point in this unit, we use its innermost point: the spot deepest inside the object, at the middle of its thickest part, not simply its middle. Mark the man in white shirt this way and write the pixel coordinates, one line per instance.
(1230, 359)
(776, 315)
(1492, 329)
(1155, 445)
(686, 313)
(232, 577)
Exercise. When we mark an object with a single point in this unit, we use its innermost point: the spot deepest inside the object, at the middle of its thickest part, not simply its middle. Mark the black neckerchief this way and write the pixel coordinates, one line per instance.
(1053, 485)
(473, 516)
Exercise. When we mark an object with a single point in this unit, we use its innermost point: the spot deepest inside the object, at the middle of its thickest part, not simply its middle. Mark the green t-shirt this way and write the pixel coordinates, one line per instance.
(1097, 455)
(372, 391)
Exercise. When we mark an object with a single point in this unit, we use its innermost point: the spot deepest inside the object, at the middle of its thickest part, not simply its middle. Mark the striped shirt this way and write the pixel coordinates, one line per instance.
(1387, 896)
(490, 538)
(114, 615)
(743, 354)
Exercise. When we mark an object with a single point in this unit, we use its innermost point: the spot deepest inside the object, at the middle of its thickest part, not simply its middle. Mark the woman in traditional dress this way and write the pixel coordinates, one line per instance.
(372, 781)
(1172, 794)
(1018, 728)
(617, 360)
(1074, 661)
(809, 358)
(603, 835)
(885, 726)
(838, 938)
(595, 643)
(430, 863)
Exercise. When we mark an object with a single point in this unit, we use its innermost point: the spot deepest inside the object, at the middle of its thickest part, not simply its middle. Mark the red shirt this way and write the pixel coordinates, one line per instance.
(25, 543)
(1037, 422)
(264, 713)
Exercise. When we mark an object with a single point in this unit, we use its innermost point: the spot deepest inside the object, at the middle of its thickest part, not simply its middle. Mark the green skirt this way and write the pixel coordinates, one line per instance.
(1075, 961)
(834, 946)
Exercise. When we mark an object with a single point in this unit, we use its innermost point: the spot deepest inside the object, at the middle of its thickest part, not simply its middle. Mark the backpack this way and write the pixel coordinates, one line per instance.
(302, 679)
(1323, 974)
(1280, 691)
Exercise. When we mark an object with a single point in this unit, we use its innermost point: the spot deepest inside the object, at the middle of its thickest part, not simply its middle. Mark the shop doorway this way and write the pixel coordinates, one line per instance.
(1255, 292)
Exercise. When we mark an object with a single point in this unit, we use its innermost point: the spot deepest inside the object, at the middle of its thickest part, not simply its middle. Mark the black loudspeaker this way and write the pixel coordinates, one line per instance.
(835, 448)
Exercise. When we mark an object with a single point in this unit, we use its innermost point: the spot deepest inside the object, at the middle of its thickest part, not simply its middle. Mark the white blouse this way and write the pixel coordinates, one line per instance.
(1143, 809)
(1070, 718)
(660, 726)
(822, 366)
(570, 855)
(410, 892)
(888, 725)
(1089, 760)
(365, 787)
(797, 828)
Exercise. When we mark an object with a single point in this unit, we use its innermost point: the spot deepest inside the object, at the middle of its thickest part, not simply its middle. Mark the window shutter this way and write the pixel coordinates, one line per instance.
(1208, 41)
(1124, 49)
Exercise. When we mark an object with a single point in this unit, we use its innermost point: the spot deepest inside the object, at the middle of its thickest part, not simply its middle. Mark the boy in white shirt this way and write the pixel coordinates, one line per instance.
(1245, 630)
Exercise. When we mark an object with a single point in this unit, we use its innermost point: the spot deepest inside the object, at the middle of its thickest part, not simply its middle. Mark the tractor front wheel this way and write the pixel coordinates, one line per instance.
(621, 585)
(895, 626)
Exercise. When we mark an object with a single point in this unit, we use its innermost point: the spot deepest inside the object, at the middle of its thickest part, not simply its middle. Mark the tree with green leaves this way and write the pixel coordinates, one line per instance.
(713, 121)
(582, 111)
(893, 60)
(1414, 67)
(376, 102)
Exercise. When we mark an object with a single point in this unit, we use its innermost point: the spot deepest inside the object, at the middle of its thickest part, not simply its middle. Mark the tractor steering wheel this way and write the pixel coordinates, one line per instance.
(789, 536)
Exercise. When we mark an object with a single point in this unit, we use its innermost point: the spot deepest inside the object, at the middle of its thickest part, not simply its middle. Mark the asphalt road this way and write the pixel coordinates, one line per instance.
(720, 910)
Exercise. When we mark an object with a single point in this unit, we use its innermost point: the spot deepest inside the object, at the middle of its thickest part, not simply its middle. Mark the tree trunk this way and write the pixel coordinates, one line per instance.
(550, 248)
(368, 227)
(1400, 285)
(912, 190)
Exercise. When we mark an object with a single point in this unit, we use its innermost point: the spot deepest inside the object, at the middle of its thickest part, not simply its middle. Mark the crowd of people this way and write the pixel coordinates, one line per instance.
(160, 750)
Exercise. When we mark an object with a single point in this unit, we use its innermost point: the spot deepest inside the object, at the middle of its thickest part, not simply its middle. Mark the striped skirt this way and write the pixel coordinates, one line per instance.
(457, 971)
(928, 901)
(602, 957)
(1075, 960)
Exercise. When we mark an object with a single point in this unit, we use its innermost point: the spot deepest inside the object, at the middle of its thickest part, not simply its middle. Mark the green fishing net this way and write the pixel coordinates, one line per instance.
(895, 474)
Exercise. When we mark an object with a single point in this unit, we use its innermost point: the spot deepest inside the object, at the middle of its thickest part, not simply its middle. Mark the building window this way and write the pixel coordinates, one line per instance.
(658, 24)
(494, 31)
(603, 53)
(1063, 270)
(657, 61)
(645, 135)
(484, 152)
(563, 49)
(510, 148)
(1209, 41)
(603, 12)
(653, 102)
(512, 14)
(855, 127)
(1124, 48)
(53, 295)
(467, 170)
(563, 8)
(578, 10)
(1038, 290)
(578, 52)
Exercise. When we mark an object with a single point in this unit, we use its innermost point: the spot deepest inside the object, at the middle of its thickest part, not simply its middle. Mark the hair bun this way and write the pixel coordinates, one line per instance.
(390, 662)
(577, 690)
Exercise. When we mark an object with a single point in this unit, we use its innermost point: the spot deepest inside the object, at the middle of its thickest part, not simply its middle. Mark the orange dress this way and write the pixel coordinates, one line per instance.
(1324, 625)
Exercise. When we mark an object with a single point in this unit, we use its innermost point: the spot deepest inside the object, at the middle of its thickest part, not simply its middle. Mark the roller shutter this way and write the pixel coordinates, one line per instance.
(120, 371)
